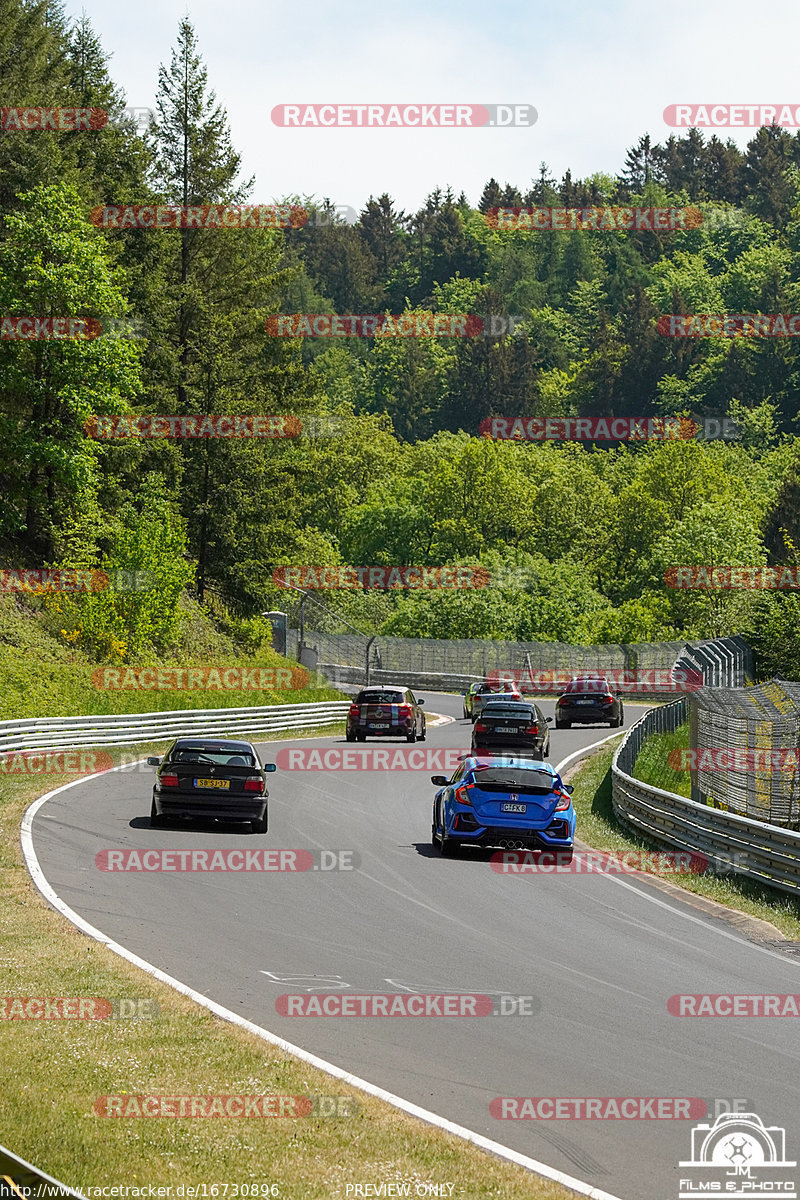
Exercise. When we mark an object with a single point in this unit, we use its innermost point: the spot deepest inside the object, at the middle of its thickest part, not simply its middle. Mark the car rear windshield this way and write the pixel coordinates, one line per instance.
(507, 710)
(379, 698)
(588, 685)
(219, 756)
(497, 779)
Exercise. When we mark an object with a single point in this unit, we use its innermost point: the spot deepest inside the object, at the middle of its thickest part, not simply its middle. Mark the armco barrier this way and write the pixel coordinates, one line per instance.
(735, 844)
(24, 1180)
(59, 733)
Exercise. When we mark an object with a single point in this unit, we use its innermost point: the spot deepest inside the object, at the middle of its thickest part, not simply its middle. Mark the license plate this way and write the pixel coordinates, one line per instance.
(212, 783)
(378, 725)
(584, 701)
(518, 808)
(505, 729)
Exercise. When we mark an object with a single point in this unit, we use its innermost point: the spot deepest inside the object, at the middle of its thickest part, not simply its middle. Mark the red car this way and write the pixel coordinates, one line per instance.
(385, 711)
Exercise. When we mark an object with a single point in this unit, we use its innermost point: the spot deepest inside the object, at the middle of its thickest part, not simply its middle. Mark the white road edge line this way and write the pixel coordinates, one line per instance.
(414, 1110)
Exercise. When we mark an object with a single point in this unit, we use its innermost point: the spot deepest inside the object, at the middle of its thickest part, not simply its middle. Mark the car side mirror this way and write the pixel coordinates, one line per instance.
(549, 720)
(568, 788)
(439, 780)
(270, 767)
(153, 761)
(420, 702)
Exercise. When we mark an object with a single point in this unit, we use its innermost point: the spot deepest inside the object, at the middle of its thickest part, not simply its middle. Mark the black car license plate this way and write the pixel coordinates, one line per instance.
(517, 808)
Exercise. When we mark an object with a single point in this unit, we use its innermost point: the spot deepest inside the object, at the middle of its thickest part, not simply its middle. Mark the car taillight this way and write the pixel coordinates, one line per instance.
(254, 783)
(607, 699)
(404, 710)
(531, 729)
(355, 711)
(168, 780)
(479, 727)
(462, 796)
(563, 801)
(563, 700)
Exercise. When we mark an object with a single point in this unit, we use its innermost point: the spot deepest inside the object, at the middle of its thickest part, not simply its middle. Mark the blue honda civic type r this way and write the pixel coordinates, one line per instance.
(501, 800)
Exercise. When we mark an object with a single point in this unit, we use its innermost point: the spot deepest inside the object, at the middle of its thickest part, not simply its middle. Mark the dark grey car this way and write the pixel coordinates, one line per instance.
(506, 727)
(589, 700)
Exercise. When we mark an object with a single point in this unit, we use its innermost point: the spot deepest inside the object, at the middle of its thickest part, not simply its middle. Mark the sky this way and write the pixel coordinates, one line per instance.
(599, 75)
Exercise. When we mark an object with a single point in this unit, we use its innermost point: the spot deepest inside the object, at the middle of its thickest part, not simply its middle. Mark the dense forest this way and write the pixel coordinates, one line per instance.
(577, 538)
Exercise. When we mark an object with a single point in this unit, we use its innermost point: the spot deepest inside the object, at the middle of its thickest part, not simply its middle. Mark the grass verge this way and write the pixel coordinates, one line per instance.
(598, 827)
(652, 762)
(55, 1070)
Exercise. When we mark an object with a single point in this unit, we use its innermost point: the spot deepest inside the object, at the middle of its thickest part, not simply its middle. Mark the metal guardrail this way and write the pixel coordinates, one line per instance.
(57, 733)
(21, 1178)
(734, 844)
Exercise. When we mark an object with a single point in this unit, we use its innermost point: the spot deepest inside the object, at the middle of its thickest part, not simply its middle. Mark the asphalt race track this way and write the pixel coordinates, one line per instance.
(600, 954)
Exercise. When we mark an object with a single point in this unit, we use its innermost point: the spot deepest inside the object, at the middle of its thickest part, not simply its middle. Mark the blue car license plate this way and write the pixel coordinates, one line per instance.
(584, 701)
(517, 808)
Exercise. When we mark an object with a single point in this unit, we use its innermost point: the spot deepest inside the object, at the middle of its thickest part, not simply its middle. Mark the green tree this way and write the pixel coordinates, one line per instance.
(53, 265)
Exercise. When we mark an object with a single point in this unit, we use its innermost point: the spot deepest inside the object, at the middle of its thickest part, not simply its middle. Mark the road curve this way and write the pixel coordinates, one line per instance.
(600, 954)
